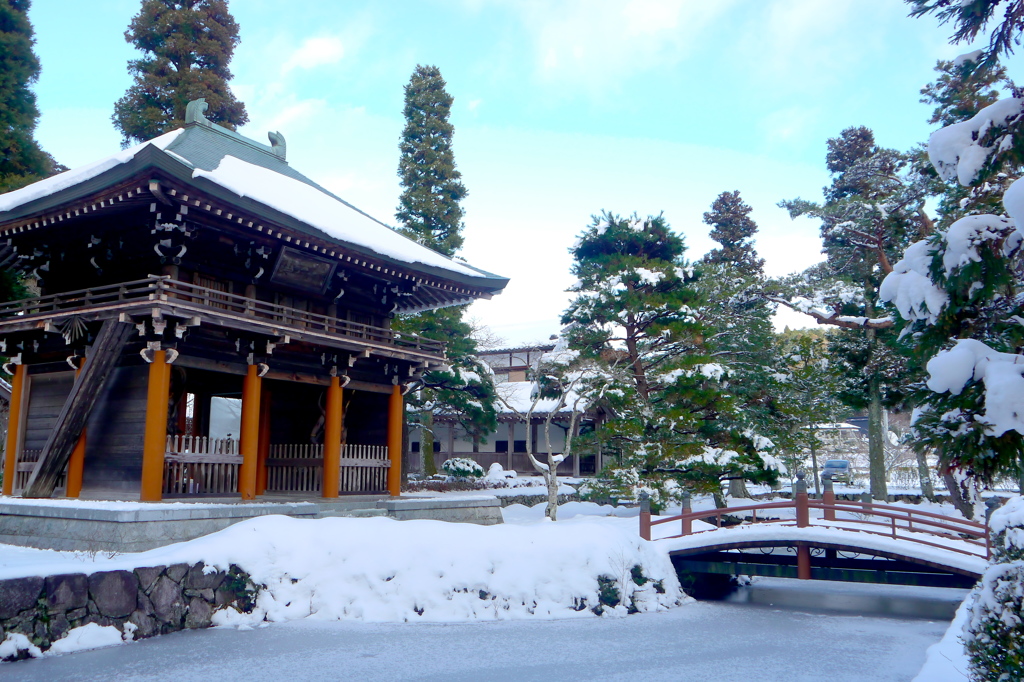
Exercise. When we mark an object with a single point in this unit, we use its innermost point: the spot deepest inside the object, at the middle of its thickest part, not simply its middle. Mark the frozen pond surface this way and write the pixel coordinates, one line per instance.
(705, 641)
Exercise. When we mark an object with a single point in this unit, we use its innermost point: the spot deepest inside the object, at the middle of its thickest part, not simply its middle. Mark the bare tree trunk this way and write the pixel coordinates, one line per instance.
(924, 475)
(956, 494)
(876, 443)
(814, 468)
(738, 488)
(427, 442)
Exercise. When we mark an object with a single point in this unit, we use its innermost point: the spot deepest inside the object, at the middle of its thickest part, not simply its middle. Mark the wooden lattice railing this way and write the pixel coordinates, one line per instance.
(115, 296)
(207, 466)
(23, 470)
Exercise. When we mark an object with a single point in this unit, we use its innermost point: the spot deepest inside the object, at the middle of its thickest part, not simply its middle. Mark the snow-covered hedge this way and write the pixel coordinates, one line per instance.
(994, 635)
(460, 467)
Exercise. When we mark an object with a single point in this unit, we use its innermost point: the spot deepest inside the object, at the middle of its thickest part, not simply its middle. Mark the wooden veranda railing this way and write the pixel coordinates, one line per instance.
(205, 466)
(218, 303)
(23, 469)
(899, 523)
(196, 465)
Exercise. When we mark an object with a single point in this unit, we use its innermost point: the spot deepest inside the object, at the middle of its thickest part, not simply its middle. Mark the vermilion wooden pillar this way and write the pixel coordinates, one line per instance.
(332, 439)
(155, 443)
(76, 465)
(395, 413)
(14, 428)
(250, 440)
(264, 448)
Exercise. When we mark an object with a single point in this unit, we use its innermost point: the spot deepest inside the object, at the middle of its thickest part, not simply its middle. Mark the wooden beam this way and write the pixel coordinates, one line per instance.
(14, 428)
(332, 439)
(396, 407)
(99, 364)
(249, 445)
(154, 444)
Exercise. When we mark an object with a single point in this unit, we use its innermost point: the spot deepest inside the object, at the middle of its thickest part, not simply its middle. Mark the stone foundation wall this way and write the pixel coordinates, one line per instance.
(155, 600)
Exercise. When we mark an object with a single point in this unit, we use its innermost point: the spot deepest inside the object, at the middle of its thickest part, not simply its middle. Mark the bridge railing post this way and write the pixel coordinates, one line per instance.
(687, 522)
(803, 512)
(828, 498)
(645, 515)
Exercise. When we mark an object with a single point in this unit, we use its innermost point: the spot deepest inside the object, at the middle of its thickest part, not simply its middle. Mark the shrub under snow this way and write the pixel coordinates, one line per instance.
(460, 467)
(994, 635)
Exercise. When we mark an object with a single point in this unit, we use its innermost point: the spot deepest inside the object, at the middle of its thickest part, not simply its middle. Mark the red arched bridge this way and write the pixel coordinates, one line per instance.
(825, 539)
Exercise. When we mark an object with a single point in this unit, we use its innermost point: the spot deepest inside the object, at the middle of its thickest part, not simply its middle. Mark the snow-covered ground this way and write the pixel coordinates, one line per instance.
(383, 571)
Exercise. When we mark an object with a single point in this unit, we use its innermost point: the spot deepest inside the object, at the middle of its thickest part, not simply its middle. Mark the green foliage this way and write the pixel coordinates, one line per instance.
(460, 467)
(21, 160)
(429, 208)
(994, 635)
(187, 46)
(971, 17)
(734, 229)
(640, 314)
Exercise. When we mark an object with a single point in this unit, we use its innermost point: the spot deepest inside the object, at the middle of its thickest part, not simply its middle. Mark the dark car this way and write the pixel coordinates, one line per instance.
(839, 470)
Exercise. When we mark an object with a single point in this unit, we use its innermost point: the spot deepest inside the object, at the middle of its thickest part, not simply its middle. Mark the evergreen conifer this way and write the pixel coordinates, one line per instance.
(21, 159)
(734, 229)
(429, 213)
(429, 209)
(187, 46)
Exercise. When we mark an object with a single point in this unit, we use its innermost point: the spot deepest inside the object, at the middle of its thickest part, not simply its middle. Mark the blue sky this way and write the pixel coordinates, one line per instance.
(562, 109)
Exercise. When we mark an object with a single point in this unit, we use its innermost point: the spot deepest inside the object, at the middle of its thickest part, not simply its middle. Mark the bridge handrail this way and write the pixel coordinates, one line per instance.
(963, 530)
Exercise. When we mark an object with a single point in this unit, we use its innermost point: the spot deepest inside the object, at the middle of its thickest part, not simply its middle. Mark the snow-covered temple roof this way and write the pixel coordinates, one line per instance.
(228, 166)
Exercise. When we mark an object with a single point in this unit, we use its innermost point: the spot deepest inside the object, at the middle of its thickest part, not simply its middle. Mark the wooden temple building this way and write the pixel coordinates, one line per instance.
(197, 267)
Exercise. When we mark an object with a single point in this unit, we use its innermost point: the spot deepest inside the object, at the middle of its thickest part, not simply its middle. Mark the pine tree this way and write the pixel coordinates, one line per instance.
(971, 17)
(429, 209)
(872, 210)
(21, 159)
(187, 46)
(734, 229)
(429, 213)
(637, 313)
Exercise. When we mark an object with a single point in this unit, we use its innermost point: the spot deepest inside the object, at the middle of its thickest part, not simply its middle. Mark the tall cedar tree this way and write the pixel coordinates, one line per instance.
(734, 229)
(429, 208)
(429, 213)
(187, 46)
(971, 17)
(21, 159)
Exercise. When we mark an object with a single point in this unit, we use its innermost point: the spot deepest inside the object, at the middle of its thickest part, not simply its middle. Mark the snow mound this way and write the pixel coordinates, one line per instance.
(970, 359)
(383, 570)
(89, 636)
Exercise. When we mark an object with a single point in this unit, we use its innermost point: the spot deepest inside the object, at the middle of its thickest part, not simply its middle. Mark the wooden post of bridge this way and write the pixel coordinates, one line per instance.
(828, 498)
(803, 519)
(687, 522)
(645, 515)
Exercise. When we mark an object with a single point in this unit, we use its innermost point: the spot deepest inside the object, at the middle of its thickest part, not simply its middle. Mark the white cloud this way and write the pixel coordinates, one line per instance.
(597, 44)
(317, 51)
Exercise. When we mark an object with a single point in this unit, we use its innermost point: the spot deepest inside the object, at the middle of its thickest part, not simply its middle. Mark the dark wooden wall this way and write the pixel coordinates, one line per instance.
(116, 430)
(47, 394)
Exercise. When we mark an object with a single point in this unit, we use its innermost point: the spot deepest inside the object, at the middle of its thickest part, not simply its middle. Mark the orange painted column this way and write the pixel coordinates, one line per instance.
(332, 439)
(396, 407)
(264, 448)
(14, 428)
(76, 465)
(250, 441)
(155, 443)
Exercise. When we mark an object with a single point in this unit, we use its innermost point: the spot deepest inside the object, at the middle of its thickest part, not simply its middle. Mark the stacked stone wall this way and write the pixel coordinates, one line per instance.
(155, 600)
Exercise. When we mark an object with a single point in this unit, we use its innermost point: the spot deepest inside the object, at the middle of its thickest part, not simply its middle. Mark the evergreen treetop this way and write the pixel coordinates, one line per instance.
(734, 229)
(429, 209)
(187, 46)
(21, 159)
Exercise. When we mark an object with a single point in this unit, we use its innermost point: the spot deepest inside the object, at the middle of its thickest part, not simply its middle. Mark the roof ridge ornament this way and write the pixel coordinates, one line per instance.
(195, 110)
(278, 145)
